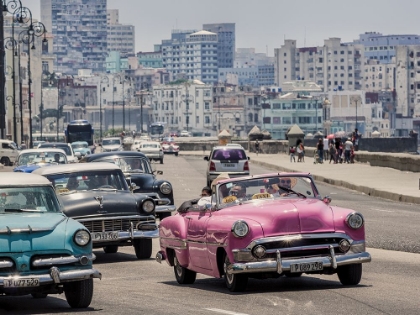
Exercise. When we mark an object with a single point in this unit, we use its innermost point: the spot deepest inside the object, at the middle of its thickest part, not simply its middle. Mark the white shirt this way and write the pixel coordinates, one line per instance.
(348, 145)
(325, 144)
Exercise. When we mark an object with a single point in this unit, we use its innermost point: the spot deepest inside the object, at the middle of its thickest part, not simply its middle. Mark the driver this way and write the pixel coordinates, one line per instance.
(72, 183)
(98, 181)
(239, 191)
(57, 158)
(135, 164)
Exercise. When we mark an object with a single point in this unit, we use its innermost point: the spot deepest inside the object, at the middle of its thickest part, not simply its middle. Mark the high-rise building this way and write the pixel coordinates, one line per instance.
(191, 54)
(79, 28)
(120, 37)
(226, 42)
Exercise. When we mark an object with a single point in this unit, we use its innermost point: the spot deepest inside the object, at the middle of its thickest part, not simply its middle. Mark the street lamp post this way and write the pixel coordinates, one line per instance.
(104, 79)
(187, 98)
(7, 7)
(11, 43)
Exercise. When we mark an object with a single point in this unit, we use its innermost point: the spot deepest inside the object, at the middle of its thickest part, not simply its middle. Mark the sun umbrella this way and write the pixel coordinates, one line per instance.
(340, 134)
(331, 136)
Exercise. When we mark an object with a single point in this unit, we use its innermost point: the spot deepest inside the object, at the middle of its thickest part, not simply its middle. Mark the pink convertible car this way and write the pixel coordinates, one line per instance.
(264, 226)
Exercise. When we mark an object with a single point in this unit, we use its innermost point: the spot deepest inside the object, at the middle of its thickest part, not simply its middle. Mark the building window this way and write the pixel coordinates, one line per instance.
(207, 106)
(207, 119)
(197, 105)
(197, 119)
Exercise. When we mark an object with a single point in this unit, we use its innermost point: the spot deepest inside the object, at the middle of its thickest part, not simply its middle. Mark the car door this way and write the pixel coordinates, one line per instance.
(196, 237)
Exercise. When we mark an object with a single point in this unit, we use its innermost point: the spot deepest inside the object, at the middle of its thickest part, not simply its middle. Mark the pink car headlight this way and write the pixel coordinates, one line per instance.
(240, 228)
(355, 220)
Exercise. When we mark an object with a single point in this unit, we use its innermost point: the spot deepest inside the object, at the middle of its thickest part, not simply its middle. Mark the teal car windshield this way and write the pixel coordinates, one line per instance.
(28, 199)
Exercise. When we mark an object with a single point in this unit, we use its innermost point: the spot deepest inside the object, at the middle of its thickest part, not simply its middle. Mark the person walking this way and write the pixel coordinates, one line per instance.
(292, 154)
(333, 153)
(257, 147)
(348, 146)
(320, 150)
(326, 147)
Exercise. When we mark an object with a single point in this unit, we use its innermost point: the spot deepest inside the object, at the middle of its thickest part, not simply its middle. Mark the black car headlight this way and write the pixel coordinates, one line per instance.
(355, 220)
(148, 206)
(166, 188)
(240, 228)
(81, 237)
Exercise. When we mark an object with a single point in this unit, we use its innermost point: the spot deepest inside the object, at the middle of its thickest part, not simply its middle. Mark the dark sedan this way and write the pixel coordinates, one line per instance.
(97, 195)
(137, 169)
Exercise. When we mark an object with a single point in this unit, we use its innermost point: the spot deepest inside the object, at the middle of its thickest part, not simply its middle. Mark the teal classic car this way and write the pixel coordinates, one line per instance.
(42, 251)
(81, 148)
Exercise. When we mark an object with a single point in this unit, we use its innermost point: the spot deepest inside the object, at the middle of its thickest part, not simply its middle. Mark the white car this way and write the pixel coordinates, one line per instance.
(170, 147)
(184, 133)
(153, 150)
(66, 147)
(136, 145)
(112, 144)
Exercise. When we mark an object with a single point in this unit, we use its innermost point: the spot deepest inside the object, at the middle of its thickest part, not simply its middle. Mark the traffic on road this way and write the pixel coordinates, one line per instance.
(389, 233)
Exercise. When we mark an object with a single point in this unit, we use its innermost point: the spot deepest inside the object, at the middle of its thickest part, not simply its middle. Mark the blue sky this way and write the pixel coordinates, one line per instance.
(264, 24)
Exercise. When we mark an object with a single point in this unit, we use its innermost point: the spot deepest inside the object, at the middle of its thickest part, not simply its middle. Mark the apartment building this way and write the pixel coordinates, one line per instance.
(79, 29)
(192, 54)
(120, 37)
(383, 47)
(226, 41)
(184, 106)
(334, 66)
(378, 76)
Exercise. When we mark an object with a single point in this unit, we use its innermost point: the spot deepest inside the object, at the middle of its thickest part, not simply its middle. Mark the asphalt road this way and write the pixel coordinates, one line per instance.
(389, 284)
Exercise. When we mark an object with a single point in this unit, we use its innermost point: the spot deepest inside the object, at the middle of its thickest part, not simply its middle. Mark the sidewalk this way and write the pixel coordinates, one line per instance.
(374, 181)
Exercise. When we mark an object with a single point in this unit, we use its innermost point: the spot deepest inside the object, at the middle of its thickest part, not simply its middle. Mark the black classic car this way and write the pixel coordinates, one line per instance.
(97, 195)
(137, 169)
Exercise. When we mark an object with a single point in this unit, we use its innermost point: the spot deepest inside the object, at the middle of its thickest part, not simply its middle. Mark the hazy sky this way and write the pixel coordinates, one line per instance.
(264, 24)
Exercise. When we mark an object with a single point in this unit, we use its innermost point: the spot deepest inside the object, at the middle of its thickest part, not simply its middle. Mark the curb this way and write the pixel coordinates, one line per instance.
(363, 189)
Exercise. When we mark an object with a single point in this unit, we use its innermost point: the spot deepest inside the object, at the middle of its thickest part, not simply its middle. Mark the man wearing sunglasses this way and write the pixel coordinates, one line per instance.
(239, 191)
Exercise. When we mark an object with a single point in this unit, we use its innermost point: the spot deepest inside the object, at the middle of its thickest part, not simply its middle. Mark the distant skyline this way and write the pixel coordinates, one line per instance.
(265, 24)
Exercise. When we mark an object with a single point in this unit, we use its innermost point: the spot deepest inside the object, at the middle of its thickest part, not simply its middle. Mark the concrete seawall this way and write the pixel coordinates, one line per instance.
(399, 161)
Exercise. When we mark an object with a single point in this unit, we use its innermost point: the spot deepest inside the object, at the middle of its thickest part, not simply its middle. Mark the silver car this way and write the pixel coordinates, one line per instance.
(227, 159)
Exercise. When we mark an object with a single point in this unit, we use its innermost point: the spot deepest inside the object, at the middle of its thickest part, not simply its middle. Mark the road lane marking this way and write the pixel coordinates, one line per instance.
(224, 311)
(381, 210)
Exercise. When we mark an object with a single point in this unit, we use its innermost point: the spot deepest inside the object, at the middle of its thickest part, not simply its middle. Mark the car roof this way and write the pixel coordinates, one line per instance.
(231, 147)
(41, 150)
(81, 142)
(51, 144)
(22, 179)
(117, 154)
(150, 142)
(111, 138)
(76, 167)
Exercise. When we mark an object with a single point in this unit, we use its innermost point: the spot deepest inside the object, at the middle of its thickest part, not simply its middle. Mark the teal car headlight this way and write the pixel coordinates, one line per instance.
(240, 228)
(355, 220)
(81, 237)
(148, 206)
(166, 188)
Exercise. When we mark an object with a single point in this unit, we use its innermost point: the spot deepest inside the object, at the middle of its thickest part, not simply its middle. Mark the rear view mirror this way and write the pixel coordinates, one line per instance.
(249, 158)
(327, 200)
(206, 158)
(160, 172)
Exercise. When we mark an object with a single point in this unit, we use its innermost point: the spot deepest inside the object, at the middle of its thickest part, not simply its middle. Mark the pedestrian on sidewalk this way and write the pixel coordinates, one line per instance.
(320, 150)
(333, 153)
(352, 155)
(292, 154)
(348, 145)
(326, 147)
(257, 147)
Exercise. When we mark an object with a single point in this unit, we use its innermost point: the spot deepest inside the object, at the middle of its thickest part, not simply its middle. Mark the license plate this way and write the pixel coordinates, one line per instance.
(21, 283)
(105, 236)
(306, 267)
(229, 165)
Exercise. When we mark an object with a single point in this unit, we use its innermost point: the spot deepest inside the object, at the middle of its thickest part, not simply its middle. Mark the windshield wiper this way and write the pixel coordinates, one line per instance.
(105, 189)
(291, 191)
(23, 210)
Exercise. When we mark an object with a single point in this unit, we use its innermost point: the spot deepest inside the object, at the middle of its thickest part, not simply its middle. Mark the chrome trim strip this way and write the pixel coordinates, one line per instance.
(298, 236)
(273, 265)
(60, 260)
(127, 235)
(29, 229)
(104, 218)
(182, 243)
(301, 248)
(60, 276)
(6, 263)
(165, 208)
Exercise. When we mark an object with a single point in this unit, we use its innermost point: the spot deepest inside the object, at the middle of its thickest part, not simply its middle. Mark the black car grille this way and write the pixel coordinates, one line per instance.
(114, 225)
